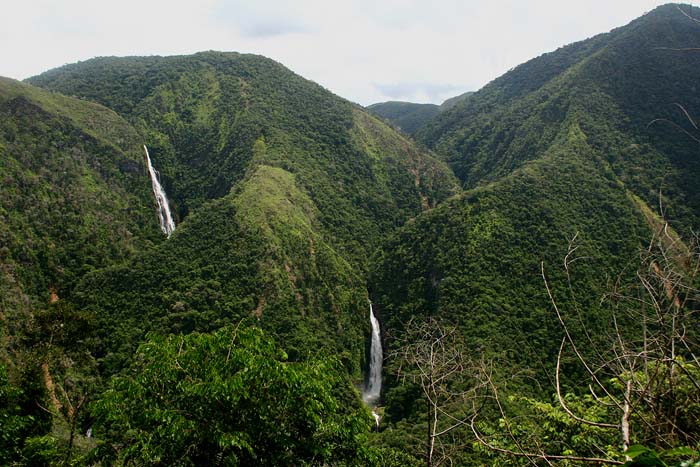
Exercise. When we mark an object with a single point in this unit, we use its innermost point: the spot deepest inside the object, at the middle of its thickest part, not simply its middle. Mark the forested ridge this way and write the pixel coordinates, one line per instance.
(406, 116)
(565, 161)
(531, 257)
(410, 117)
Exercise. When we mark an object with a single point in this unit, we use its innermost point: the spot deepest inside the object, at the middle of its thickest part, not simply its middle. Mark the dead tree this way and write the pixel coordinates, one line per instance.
(432, 354)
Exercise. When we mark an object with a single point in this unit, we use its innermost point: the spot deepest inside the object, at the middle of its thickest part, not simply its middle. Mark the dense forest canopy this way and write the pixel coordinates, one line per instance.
(529, 250)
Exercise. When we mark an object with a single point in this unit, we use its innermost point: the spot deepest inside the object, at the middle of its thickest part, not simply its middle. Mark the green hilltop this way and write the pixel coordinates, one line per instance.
(410, 117)
(406, 116)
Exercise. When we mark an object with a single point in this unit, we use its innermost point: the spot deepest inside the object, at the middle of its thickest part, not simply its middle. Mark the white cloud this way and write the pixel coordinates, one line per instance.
(363, 50)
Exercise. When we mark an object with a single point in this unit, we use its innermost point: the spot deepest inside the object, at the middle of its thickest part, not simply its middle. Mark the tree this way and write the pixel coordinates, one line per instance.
(432, 354)
(14, 424)
(230, 398)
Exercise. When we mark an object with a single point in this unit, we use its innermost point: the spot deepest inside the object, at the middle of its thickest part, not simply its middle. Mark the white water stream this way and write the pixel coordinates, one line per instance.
(167, 225)
(373, 388)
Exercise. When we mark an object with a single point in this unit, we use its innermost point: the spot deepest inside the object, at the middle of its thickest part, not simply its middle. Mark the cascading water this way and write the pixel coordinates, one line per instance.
(374, 381)
(164, 216)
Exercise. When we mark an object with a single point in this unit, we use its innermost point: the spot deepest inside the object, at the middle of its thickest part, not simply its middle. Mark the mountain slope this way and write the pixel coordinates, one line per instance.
(560, 148)
(617, 84)
(255, 254)
(282, 190)
(74, 196)
(205, 115)
(452, 101)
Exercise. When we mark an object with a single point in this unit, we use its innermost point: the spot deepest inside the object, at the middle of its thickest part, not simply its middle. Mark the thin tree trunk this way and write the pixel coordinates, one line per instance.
(429, 457)
(434, 431)
(625, 423)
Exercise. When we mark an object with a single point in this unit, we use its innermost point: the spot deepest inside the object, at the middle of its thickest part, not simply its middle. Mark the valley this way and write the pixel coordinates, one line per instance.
(208, 259)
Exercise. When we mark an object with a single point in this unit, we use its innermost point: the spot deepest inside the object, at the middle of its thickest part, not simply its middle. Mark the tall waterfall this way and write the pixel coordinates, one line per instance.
(374, 382)
(164, 216)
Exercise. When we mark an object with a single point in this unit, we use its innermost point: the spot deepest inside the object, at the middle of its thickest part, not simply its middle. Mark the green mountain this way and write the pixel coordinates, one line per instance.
(406, 116)
(410, 117)
(280, 192)
(281, 189)
(575, 144)
(629, 119)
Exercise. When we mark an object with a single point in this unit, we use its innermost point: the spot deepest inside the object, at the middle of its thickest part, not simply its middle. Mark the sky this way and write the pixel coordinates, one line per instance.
(366, 51)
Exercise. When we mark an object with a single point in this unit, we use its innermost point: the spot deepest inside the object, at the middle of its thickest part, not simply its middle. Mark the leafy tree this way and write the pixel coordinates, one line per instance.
(230, 398)
(13, 424)
(23, 425)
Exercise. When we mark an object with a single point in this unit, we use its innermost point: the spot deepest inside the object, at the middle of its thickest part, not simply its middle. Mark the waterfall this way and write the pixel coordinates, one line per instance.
(374, 381)
(164, 217)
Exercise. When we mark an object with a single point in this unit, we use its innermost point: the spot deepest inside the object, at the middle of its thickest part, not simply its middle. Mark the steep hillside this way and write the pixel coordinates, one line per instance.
(74, 196)
(282, 190)
(475, 260)
(212, 118)
(577, 144)
(256, 255)
(628, 89)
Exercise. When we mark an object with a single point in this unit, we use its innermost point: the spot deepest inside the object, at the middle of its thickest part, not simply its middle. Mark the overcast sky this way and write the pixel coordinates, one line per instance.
(364, 50)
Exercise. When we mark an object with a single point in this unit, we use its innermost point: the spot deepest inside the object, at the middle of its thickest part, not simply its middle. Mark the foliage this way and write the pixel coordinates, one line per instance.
(517, 117)
(56, 377)
(14, 425)
(290, 202)
(72, 197)
(431, 354)
(474, 260)
(643, 385)
(254, 253)
(558, 146)
(230, 398)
